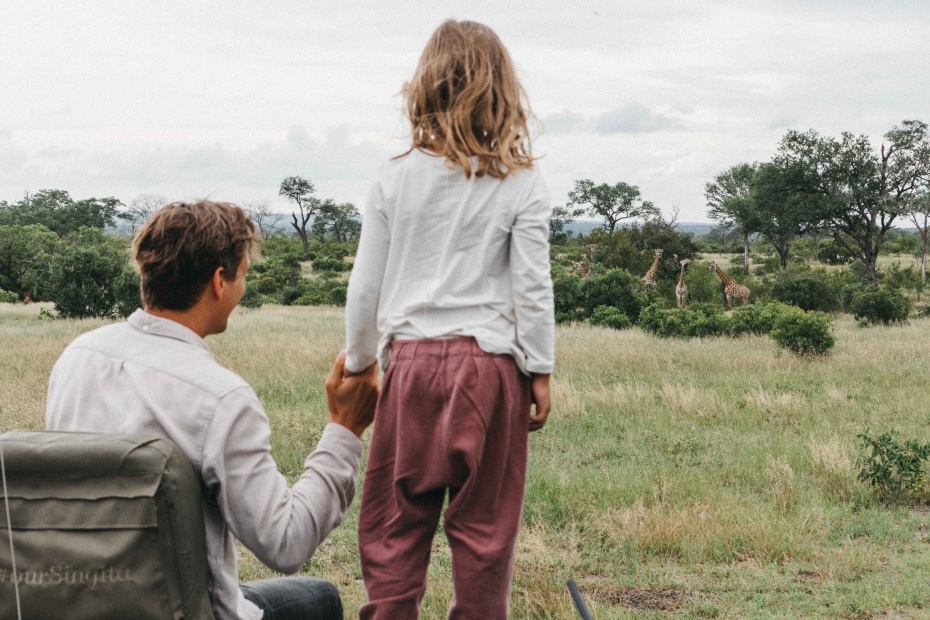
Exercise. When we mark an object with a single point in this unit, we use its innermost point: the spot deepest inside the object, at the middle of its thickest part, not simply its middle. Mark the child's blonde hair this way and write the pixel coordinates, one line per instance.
(465, 100)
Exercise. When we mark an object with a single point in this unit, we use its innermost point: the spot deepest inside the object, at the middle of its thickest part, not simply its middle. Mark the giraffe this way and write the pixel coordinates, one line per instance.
(650, 277)
(681, 291)
(731, 288)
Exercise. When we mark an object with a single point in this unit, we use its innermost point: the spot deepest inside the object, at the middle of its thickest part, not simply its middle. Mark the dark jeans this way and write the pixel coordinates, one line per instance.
(291, 598)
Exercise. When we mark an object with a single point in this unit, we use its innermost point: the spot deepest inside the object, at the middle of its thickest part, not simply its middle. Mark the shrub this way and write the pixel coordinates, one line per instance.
(695, 321)
(897, 277)
(266, 285)
(568, 297)
(803, 333)
(128, 292)
(284, 268)
(252, 297)
(894, 471)
(832, 253)
(326, 263)
(8, 297)
(873, 305)
(84, 275)
(317, 292)
(608, 316)
(847, 283)
(757, 319)
(703, 284)
(617, 288)
(806, 289)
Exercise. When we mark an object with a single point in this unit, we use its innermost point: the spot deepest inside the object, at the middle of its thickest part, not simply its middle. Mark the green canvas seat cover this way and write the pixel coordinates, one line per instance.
(104, 526)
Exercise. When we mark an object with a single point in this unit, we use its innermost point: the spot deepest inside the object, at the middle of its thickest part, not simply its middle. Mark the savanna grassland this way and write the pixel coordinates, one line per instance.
(675, 479)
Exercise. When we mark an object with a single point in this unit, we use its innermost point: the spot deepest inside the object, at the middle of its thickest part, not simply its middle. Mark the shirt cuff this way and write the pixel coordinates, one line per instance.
(340, 440)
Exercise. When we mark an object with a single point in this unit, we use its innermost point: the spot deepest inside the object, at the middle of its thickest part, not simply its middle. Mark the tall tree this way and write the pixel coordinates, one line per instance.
(562, 216)
(144, 206)
(611, 203)
(57, 211)
(300, 191)
(869, 190)
(265, 219)
(339, 222)
(783, 207)
(920, 215)
(728, 198)
(25, 256)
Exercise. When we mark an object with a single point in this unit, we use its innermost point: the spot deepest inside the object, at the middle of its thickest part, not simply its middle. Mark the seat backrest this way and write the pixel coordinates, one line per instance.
(103, 526)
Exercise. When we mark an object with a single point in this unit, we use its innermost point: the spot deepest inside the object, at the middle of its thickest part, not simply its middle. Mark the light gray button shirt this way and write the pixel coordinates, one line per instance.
(154, 376)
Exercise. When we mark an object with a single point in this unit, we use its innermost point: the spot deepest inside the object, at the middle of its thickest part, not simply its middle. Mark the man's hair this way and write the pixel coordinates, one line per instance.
(465, 95)
(181, 245)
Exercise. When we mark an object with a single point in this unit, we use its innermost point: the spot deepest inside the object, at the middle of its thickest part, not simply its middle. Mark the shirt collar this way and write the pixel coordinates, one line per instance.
(157, 326)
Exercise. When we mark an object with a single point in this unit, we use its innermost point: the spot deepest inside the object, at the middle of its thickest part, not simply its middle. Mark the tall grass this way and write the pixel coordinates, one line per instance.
(700, 478)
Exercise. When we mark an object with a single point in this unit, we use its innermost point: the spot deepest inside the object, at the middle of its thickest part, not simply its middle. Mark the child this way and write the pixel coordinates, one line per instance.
(451, 293)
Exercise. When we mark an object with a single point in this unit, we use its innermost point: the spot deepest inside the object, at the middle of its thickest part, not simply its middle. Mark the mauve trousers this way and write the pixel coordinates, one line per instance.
(450, 419)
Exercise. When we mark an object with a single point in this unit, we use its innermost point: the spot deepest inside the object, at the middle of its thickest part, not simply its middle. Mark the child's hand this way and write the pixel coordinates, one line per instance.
(352, 398)
(541, 401)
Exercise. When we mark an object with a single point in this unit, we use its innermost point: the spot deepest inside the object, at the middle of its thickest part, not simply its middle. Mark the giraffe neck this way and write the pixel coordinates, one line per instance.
(723, 277)
(654, 268)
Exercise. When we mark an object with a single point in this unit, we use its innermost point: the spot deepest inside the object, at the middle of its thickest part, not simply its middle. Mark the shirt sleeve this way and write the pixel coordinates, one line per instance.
(531, 279)
(365, 282)
(281, 525)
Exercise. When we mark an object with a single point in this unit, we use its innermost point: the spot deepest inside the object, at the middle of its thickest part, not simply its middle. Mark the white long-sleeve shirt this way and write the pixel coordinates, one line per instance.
(153, 376)
(442, 256)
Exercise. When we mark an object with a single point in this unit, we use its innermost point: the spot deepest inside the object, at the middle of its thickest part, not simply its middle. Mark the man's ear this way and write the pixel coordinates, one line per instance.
(217, 283)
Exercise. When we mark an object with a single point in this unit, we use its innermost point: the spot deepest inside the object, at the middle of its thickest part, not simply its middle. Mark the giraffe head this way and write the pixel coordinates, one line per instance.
(684, 262)
(658, 252)
(712, 266)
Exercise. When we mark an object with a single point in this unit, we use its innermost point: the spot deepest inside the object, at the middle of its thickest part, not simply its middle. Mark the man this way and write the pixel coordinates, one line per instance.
(154, 375)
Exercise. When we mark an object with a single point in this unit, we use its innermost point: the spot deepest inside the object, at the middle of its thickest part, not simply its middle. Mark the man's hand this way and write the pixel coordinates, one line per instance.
(541, 401)
(352, 398)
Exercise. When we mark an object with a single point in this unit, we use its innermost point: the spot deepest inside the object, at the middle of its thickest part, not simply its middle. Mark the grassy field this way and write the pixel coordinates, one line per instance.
(676, 479)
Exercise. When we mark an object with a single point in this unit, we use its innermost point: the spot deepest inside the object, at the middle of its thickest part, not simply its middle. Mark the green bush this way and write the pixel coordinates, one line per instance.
(128, 292)
(831, 253)
(567, 296)
(803, 333)
(757, 319)
(8, 297)
(608, 316)
(285, 269)
(252, 297)
(897, 277)
(617, 288)
(318, 292)
(695, 321)
(806, 289)
(878, 305)
(326, 263)
(266, 284)
(895, 471)
(85, 275)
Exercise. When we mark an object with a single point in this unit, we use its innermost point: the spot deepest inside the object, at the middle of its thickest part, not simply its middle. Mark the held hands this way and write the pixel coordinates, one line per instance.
(352, 397)
(540, 388)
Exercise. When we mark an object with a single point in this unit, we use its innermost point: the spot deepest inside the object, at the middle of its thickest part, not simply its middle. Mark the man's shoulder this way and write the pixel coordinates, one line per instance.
(168, 359)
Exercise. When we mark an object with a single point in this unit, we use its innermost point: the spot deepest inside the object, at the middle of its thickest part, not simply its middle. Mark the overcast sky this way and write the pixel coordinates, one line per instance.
(225, 99)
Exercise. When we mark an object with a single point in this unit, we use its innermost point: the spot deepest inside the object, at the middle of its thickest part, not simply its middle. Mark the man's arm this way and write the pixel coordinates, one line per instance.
(281, 525)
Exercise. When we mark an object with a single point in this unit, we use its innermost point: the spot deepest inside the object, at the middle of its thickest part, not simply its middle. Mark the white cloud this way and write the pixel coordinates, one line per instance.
(635, 118)
(189, 99)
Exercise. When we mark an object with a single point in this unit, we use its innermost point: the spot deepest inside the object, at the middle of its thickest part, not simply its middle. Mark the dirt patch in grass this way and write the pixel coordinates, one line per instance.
(667, 598)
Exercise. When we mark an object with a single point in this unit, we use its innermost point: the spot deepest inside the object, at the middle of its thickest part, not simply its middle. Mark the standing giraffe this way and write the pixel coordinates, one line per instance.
(731, 288)
(681, 291)
(650, 277)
